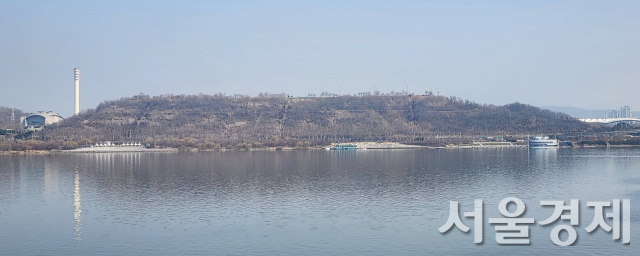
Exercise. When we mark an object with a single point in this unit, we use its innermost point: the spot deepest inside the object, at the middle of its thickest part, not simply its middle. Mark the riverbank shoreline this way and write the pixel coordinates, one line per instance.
(118, 150)
(360, 146)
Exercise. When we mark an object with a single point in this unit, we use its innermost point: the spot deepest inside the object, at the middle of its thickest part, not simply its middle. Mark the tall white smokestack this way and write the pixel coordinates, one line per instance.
(76, 76)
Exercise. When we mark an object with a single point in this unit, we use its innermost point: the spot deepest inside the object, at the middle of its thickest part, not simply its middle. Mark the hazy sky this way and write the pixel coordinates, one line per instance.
(544, 53)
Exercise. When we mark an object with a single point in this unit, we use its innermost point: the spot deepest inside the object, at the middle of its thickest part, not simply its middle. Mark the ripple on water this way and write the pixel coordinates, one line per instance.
(300, 202)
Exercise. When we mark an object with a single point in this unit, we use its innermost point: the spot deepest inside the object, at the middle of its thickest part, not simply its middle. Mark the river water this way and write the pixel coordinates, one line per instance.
(312, 202)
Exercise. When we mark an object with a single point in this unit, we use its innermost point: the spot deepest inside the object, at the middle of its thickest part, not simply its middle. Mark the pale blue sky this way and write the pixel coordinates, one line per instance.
(545, 53)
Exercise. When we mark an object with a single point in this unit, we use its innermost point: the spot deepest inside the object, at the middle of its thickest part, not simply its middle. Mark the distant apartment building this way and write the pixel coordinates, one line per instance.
(625, 112)
(613, 114)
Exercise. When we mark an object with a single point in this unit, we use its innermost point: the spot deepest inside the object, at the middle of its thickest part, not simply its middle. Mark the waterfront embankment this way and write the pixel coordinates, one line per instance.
(118, 150)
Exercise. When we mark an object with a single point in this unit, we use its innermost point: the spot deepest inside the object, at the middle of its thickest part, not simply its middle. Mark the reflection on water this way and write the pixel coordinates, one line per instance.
(543, 154)
(371, 202)
(77, 207)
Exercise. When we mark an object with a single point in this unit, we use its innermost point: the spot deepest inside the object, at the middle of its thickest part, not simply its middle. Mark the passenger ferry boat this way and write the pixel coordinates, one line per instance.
(543, 142)
(344, 146)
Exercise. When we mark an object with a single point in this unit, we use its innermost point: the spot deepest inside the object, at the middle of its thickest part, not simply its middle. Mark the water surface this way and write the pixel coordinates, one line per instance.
(365, 202)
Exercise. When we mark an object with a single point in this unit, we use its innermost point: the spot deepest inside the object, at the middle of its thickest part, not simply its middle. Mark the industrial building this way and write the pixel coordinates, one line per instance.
(76, 78)
(39, 120)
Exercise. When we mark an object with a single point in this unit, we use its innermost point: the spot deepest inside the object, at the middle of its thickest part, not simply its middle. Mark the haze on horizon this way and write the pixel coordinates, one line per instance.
(544, 53)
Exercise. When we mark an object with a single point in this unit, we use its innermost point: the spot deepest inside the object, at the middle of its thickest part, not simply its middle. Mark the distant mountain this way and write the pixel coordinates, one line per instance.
(584, 113)
(267, 120)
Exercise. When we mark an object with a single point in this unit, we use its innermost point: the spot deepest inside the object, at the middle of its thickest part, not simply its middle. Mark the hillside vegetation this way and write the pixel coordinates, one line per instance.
(5, 118)
(218, 121)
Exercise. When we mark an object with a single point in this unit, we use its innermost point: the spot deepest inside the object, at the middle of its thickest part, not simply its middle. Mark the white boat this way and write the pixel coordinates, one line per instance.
(543, 142)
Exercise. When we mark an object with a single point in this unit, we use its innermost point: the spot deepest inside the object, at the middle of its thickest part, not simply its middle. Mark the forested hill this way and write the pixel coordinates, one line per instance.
(344, 118)
(5, 118)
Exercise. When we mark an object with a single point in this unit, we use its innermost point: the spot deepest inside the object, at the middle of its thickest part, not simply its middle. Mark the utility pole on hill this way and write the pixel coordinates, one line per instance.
(407, 87)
